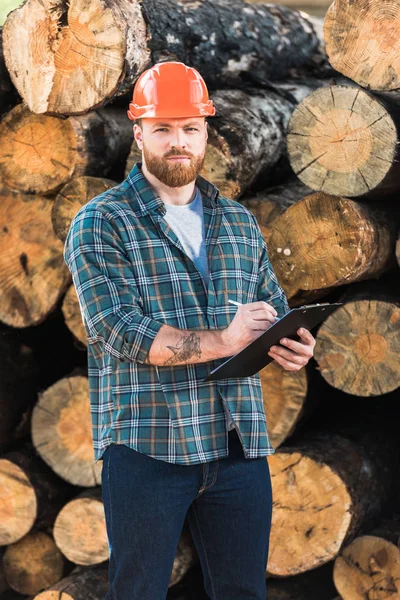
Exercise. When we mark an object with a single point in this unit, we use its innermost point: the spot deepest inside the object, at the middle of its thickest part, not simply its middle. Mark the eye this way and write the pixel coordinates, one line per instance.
(161, 129)
(193, 128)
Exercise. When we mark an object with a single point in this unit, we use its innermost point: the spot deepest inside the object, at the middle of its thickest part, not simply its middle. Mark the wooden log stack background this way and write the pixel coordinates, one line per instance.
(307, 137)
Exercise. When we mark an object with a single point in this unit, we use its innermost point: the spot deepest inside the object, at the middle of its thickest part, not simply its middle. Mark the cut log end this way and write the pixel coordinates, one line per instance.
(342, 141)
(72, 315)
(80, 531)
(304, 504)
(346, 26)
(367, 363)
(72, 197)
(72, 55)
(61, 431)
(18, 504)
(33, 563)
(33, 272)
(369, 567)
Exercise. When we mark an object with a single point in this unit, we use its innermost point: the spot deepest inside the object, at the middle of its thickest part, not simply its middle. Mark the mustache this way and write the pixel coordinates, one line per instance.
(176, 152)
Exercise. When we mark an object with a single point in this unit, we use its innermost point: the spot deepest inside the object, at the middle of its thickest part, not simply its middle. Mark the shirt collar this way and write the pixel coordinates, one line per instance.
(147, 199)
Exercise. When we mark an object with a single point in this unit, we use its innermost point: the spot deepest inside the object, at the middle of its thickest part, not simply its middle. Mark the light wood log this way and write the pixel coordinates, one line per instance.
(80, 529)
(72, 315)
(17, 386)
(33, 271)
(269, 204)
(33, 563)
(358, 346)
(84, 583)
(324, 241)
(39, 154)
(30, 494)
(363, 42)
(72, 197)
(369, 567)
(62, 431)
(326, 487)
(100, 47)
(343, 140)
(285, 396)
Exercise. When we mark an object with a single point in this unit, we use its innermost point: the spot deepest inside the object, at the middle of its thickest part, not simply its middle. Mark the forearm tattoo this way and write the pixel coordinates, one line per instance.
(186, 348)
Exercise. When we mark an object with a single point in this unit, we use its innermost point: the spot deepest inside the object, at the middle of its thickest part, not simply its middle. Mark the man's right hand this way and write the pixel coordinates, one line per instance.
(250, 321)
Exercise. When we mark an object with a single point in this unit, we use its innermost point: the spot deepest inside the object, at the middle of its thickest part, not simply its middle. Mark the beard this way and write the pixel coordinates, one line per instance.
(174, 175)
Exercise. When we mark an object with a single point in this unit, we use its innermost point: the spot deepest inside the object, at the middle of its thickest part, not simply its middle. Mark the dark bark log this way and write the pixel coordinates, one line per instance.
(62, 431)
(358, 346)
(325, 241)
(8, 94)
(313, 585)
(343, 140)
(84, 583)
(39, 154)
(33, 563)
(33, 273)
(229, 42)
(17, 389)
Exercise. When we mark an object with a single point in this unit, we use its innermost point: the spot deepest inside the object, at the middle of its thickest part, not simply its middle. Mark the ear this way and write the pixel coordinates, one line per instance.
(138, 135)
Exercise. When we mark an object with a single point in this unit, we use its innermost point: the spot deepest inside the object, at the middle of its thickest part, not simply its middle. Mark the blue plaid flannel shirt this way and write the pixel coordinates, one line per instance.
(131, 276)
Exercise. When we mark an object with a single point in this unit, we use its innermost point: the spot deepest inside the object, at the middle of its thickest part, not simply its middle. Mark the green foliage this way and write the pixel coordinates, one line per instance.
(7, 6)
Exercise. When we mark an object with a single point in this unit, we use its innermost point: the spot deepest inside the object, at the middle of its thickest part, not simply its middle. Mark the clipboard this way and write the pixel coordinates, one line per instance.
(255, 356)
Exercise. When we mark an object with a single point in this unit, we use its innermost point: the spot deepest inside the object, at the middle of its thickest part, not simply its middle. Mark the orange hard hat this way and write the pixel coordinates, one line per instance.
(170, 90)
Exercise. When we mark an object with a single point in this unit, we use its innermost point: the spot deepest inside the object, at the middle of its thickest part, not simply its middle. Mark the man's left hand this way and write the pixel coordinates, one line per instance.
(295, 355)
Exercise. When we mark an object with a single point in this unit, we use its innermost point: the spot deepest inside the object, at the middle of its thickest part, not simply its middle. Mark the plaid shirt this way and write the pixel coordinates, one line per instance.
(131, 276)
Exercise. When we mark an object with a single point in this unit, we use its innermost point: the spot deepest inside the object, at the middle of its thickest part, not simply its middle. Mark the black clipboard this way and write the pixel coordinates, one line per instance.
(255, 356)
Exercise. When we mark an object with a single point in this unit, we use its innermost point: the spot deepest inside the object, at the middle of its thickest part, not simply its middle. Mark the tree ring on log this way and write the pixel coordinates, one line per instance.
(33, 272)
(342, 141)
(77, 51)
(358, 348)
(18, 503)
(318, 523)
(369, 567)
(346, 27)
(61, 431)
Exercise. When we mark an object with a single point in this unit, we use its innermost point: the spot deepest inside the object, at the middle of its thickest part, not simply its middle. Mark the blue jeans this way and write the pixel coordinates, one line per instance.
(228, 503)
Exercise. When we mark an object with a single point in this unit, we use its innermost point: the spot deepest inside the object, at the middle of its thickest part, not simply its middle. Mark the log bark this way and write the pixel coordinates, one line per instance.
(17, 387)
(358, 346)
(33, 272)
(72, 197)
(369, 567)
(40, 154)
(325, 241)
(269, 204)
(72, 315)
(80, 529)
(8, 94)
(33, 563)
(343, 140)
(84, 583)
(30, 494)
(313, 585)
(185, 558)
(327, 486)
(62, 431)
(398, 248)
(348, 26)
(72, 47)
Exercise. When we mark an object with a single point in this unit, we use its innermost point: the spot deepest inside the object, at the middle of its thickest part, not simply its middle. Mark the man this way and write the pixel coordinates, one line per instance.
(154, 261)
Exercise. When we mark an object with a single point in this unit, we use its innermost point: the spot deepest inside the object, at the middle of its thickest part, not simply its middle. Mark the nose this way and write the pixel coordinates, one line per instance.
(178, 139)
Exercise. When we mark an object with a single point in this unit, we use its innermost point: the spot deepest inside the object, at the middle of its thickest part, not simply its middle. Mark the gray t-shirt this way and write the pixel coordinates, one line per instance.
(187, 221)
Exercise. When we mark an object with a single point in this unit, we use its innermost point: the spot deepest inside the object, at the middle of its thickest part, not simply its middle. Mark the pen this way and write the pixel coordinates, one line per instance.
(233, 302)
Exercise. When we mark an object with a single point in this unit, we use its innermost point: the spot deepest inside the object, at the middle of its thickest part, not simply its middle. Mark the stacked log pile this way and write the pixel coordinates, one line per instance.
(307, 139)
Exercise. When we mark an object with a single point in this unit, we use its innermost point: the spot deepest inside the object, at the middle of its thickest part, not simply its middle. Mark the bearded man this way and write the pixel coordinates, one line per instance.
(155, 261)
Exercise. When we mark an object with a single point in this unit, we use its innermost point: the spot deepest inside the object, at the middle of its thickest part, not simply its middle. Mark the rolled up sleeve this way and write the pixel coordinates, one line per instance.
(110, 304)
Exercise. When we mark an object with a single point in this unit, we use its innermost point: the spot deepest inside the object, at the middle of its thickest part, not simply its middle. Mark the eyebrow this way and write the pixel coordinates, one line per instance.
(169, 125)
